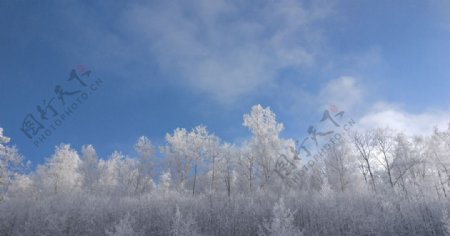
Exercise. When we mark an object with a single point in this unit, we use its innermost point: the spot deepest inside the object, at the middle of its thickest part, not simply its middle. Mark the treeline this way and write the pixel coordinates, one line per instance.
(374, 182)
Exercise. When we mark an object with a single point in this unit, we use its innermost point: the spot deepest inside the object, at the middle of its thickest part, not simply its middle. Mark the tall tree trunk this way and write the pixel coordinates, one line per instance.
(371, 175)
(195, 179)
(211, 187)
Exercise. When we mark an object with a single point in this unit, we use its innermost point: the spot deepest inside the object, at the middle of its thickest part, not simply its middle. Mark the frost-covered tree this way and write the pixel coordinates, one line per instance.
(165, 181)
(227, 166)
(405, 161)
(120, 174)
(247, 168)
(364, 144)
(3, 139)
(385, 147)
(197, 140)
(123, 228)
(265, 144)
(89, 168)
(177, 155)
(182, 225)
(10, 164)
(438, 153)
(22, 188)
(212, 151)
(249, 195)
(61, 172)
(339, 166)
(282, 222)
(445, 220)
(187, 153)
(144, 147)
(145, 151)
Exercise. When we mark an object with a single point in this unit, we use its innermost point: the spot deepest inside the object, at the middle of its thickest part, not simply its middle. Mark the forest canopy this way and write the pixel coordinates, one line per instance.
(370, 182)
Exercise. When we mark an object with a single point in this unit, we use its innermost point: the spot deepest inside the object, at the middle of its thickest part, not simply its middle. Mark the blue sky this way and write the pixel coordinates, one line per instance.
(180, 64)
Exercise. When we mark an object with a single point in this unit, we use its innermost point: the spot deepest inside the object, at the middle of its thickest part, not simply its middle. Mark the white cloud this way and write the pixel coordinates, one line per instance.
(344, 92)
(229, 49)
(348, 94)
(387, 115)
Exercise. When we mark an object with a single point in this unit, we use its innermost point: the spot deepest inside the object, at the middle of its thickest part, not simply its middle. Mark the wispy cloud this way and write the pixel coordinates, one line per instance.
(345, 92)
(229, 49)
(350, 94)
(389, 115)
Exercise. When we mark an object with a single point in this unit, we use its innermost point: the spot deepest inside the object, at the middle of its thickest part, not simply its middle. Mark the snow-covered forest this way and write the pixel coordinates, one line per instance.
(373, 182)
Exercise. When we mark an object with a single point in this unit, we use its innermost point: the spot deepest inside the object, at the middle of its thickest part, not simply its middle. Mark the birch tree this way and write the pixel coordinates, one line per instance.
(364, 144)
(265, 144)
